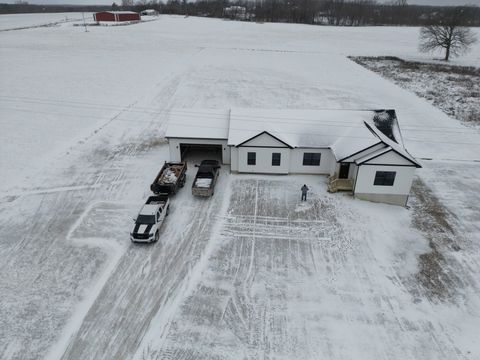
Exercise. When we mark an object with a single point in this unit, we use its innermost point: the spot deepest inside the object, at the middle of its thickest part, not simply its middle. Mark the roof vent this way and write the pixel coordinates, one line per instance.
(385, 121)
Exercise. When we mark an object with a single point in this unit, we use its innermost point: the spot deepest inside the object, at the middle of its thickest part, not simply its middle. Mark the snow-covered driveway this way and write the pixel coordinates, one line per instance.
(59, 242)
(305, 280)
(147, 279)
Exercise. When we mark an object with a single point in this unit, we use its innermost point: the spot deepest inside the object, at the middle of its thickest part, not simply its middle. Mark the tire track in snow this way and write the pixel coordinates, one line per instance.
(174, 270)
(59, 265)
(220, 321)
(249, 278)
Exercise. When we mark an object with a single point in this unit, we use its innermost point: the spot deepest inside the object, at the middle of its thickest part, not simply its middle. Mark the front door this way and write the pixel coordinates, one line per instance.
(344, 169)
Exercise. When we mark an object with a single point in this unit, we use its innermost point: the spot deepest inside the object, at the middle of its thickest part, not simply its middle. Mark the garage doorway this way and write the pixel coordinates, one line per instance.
(198, 152)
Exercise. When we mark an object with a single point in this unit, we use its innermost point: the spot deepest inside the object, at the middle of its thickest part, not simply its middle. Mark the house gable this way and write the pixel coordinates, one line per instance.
(265, 139)
(398, 148)
(362, 153)
(388, 157)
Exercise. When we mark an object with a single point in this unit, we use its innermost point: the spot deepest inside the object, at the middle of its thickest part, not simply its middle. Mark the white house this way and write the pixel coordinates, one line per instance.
(360, 150)
(149, 12)
(235, 12)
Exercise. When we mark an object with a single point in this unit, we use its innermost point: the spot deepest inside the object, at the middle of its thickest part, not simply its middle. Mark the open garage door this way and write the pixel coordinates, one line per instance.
(199, 152)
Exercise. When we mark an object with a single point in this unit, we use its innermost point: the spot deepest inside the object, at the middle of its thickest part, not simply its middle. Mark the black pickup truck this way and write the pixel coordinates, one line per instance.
(206, 178)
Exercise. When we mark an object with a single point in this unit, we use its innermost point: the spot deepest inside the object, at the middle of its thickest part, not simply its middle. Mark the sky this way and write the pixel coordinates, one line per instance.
(108, 2)
(445, 2)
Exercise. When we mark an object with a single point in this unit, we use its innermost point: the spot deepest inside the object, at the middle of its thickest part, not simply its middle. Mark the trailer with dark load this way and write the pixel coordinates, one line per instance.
(170, 178)
(206, 178)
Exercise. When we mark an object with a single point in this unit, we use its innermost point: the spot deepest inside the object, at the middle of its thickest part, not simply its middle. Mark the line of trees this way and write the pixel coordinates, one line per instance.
(326, 12)
(24, 7)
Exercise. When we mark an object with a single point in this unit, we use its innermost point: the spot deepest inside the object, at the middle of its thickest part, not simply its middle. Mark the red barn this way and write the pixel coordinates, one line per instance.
(116, 16)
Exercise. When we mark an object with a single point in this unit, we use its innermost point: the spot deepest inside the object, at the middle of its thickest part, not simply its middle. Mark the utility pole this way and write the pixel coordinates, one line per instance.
(84, 24)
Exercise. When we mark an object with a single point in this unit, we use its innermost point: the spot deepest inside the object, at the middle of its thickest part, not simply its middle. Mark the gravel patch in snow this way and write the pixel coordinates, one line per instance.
(453, 89)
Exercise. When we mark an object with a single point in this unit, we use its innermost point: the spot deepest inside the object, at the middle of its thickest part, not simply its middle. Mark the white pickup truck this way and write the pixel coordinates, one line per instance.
(150, 219)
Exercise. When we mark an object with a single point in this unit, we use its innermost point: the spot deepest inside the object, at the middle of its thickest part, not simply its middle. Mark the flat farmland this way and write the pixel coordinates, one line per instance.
(252, 272)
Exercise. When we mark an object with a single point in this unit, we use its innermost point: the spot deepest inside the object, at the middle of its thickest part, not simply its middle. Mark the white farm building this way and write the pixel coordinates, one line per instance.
(360, 150)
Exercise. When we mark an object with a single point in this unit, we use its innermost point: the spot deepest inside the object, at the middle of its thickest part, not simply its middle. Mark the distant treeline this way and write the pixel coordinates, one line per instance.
(325, 12)
(30, 8)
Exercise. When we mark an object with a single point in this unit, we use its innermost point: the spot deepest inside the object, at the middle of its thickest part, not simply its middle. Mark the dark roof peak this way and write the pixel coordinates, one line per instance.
(385, 121)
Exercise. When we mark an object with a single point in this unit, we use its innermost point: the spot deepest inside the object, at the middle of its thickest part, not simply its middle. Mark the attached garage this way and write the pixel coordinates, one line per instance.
(198, 136)
(205, 151)
(195, 150)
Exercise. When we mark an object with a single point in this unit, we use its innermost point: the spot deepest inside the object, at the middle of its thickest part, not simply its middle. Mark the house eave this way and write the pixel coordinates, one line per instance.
(358, 152)
(261, 133)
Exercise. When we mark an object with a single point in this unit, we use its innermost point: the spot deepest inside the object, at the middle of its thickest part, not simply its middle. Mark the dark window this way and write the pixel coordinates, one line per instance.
(146, 219)
(384, 178)
(251, 158)
(276, 159)
(311, 159)
(344, 170)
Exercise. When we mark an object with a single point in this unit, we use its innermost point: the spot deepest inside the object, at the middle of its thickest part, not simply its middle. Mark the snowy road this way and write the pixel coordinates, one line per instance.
(250, 273)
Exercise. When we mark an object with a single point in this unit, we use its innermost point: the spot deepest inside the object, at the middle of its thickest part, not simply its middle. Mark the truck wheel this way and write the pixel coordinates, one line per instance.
(157, 236)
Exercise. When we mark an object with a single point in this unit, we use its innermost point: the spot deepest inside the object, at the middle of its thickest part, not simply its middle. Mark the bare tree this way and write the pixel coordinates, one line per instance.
(450, 34)
(127, 3)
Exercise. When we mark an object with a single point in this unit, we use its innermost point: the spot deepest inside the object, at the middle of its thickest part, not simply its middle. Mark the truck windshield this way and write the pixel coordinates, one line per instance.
(146, 219)
(209, 162)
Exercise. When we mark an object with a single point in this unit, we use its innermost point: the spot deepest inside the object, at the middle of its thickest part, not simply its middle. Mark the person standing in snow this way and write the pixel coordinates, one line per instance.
(304, 192)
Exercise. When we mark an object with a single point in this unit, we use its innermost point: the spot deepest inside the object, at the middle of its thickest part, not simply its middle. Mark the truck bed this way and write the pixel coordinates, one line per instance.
(171, 174)
(203, 183)
(157, 200)
(170, 177)
(206, 177)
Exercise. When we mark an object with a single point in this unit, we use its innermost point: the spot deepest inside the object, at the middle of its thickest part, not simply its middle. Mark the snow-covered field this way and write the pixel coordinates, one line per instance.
(18, 21)
(252, 272)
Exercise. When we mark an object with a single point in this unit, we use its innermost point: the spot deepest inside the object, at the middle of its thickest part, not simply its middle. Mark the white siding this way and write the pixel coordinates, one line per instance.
(226, 156)
(327, 161)
(353, 171)
(263, 160)
(174, 146)
(333, 167)
(291, 161)
(390, 158)
(234, 158)
(401, 185)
